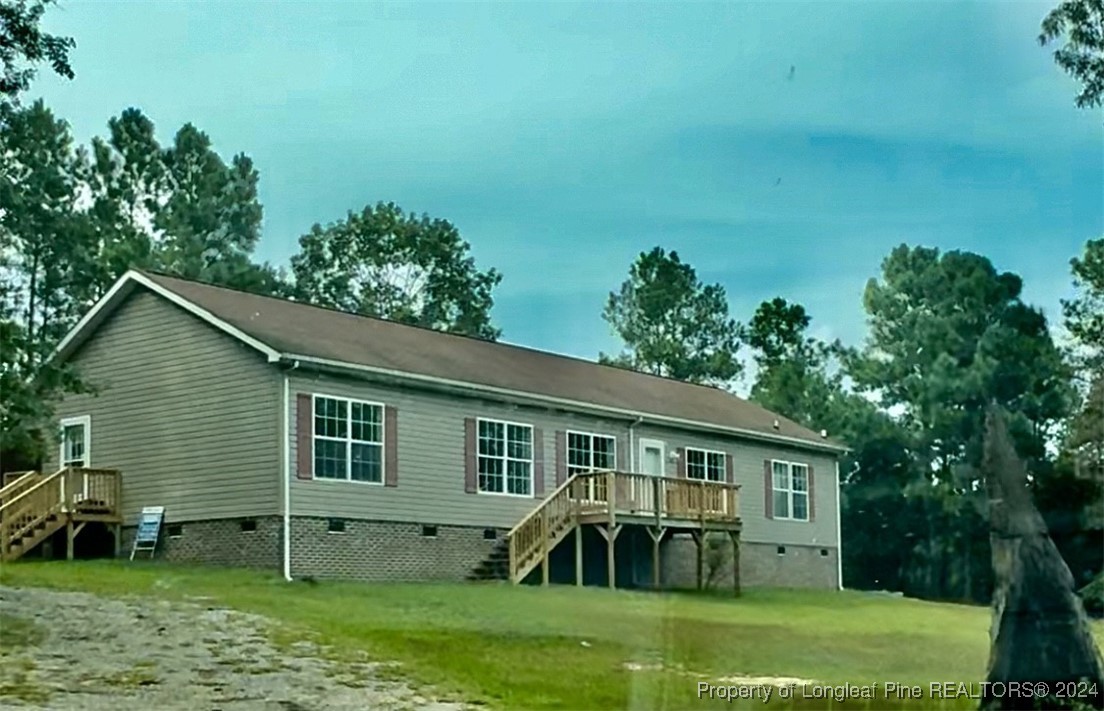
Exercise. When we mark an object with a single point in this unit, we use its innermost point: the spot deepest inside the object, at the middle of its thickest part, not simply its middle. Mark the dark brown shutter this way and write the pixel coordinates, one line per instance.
(538, 462)
(768, 489)
(390, 446)
(730, 474)
(622, 455)
(471, 471)
(561, 457)
(304, 440)
(680, 467)
(812, 498)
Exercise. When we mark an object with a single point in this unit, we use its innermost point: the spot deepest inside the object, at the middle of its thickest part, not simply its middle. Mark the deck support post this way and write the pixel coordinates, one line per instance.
(611, 537)
(610, 534)
(117, 531)
(70, 534)
(735, 536)
(544, 547)
(656, 534)
(578, 554)
(699, 541)
(577, 495)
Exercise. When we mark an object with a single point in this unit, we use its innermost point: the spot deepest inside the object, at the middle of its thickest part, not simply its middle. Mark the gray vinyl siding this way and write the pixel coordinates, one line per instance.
(747, 468)
(189, 415)
(430, 459)
(431, 464)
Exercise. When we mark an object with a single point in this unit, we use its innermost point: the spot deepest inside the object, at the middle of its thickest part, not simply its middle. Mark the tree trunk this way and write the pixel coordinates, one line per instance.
(1039, 634)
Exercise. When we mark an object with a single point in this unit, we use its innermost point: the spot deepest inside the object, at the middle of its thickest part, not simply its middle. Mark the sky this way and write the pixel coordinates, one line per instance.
(781, 148)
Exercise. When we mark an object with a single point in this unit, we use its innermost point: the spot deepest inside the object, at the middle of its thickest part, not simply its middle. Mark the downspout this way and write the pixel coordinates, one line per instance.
(632, 444)
(285, 437)
(839, 529)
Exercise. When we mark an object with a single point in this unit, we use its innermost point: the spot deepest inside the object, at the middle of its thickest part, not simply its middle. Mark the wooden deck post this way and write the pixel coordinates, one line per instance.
(610, 534)
(735, 536)
(699, 540)
(657, 538)
(117, 530)
(611, 531)
(544, 547)
(578, 496)
(578, 554)
(70, 533)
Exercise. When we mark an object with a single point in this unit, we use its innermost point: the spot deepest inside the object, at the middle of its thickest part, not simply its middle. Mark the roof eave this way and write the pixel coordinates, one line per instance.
(547, 400)
(133, 278)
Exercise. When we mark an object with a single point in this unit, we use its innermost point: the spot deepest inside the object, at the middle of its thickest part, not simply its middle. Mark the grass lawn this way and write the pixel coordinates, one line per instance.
(567, 648)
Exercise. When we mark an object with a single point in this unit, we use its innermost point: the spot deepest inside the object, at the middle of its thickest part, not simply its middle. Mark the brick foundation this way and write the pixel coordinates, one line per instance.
(761, 565)
(217, 542)
(389, 551)
(385, 551)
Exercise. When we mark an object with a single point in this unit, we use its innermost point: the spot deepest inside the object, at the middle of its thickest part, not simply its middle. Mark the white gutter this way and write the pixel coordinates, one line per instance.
(839, 534)
(632, 444)
(285, 437)
(563, 402)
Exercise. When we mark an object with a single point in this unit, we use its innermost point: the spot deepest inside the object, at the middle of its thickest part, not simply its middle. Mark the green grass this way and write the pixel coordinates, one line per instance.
(17, 670)
(563, 647)
(17, 632)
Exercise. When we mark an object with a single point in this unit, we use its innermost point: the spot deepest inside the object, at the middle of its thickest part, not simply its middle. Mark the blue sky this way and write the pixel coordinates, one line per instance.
(563, 139)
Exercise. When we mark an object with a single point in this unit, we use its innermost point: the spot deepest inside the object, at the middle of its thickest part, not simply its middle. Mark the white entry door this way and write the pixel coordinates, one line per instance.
(76, 445)
(652, 457)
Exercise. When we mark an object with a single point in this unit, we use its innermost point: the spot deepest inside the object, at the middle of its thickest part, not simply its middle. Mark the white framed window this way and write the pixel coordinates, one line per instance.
(76, 442)
(348, 440)
(705, 464)
(587, 452)
(790, 482)
(505, 458)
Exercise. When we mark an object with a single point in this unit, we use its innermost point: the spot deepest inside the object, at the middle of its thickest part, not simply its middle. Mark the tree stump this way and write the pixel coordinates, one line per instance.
(1040, 634)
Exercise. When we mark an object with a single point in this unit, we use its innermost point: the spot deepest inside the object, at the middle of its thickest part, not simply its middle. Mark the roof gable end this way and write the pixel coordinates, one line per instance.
(122, 289)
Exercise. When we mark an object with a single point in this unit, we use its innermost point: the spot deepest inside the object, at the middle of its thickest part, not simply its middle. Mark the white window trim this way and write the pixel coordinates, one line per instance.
(705, 454)
(85, 420)
(506, 458)
(591, 435)
(348, 440)
(790, 491)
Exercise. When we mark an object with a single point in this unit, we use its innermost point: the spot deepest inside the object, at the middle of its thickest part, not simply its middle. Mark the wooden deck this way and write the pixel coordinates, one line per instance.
(34, 506)
(610, 500)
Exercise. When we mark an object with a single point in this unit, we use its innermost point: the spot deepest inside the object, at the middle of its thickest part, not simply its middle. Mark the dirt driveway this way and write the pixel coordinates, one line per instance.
(68, 650)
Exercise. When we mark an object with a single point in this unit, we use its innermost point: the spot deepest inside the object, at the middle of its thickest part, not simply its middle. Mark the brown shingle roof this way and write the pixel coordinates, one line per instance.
(304, 330)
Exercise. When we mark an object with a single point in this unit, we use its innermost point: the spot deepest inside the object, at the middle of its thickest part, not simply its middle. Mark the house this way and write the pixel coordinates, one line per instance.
(285, 436)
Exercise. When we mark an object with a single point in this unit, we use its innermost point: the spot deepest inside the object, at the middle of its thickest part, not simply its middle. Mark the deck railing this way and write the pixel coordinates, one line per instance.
(591, 495)
(32, 499)
(542, 528)
(15, 483)
(93, 490)
(28, 502)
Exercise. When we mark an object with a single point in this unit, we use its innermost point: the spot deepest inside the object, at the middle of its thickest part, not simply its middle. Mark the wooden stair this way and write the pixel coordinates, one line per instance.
(607, 500)
(35, 506)
(496, 566)
(32, 535)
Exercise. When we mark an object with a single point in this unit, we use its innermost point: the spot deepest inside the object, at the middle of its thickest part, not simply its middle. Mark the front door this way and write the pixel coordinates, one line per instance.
(76, 443)
(652, 456)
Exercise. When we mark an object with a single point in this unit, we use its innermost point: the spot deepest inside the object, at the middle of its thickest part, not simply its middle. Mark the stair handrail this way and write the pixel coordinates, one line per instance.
(555, 492)
(538, 516)
(22, 480)
(45, 480)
